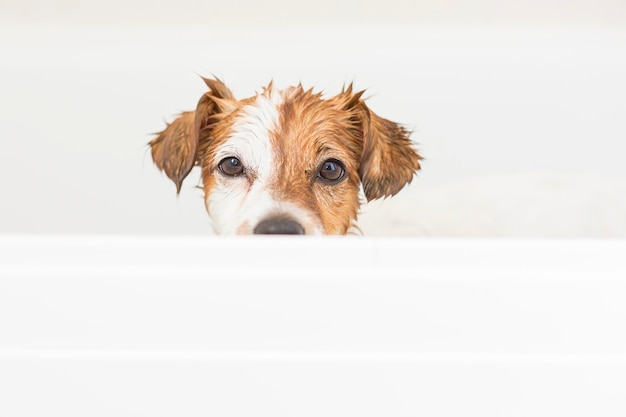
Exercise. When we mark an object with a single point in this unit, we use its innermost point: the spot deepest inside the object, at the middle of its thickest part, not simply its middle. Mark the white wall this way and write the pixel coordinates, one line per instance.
(280, 12)
(530, 87)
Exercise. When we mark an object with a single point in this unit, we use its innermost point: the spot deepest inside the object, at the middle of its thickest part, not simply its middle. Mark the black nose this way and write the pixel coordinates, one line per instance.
(279, 226)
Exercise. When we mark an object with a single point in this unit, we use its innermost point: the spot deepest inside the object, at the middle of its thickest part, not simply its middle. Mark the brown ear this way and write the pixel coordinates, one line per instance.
(389, 161)
(175, 149)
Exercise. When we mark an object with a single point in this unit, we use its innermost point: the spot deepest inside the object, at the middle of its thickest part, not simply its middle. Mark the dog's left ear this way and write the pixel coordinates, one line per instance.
(389, 161)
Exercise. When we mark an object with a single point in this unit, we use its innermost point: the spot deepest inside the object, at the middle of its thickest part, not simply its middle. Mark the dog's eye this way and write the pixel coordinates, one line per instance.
(231, 166)
(332, 171)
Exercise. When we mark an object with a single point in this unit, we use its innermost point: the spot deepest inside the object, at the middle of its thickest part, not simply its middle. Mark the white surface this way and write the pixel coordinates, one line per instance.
(280, 327)
(78, 104)
(323, 12)
(529, 205)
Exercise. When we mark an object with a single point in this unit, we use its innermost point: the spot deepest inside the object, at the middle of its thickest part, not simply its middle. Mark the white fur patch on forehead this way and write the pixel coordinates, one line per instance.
(250, 136)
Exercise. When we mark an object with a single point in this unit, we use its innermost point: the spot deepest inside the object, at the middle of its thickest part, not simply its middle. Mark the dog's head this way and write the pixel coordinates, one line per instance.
(288, 161)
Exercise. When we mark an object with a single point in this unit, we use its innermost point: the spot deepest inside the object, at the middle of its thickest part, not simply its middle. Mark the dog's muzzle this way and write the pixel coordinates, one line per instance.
(279, 226)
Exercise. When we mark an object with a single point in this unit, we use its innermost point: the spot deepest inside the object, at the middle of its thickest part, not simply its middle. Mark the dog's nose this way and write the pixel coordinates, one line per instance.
(279, 226)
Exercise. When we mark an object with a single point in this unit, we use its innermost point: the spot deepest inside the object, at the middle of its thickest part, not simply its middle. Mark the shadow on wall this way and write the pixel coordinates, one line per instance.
(531, 205)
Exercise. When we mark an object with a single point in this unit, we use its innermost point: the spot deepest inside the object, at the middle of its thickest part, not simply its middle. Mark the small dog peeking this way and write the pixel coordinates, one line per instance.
(286, 161)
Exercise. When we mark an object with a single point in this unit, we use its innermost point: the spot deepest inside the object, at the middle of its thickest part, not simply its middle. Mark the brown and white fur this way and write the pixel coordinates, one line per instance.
(286, 161)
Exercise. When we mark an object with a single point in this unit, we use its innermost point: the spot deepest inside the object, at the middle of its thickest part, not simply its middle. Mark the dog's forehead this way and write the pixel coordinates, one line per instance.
(293, 122)
(245, 132)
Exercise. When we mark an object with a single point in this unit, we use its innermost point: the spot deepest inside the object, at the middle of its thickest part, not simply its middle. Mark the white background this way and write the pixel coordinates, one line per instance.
(489, 88)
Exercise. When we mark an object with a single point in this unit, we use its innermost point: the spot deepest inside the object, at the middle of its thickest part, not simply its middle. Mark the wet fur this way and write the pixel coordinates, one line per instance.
(377, 154)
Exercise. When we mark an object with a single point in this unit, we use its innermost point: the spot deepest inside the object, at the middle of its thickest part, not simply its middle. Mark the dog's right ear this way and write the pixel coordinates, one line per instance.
(388, 160)
(175, 149)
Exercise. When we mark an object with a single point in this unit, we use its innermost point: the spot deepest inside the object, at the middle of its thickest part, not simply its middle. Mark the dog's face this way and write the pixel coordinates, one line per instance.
(286, 162)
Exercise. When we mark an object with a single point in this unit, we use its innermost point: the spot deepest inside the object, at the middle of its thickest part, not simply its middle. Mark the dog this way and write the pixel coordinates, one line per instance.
(286, 161)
